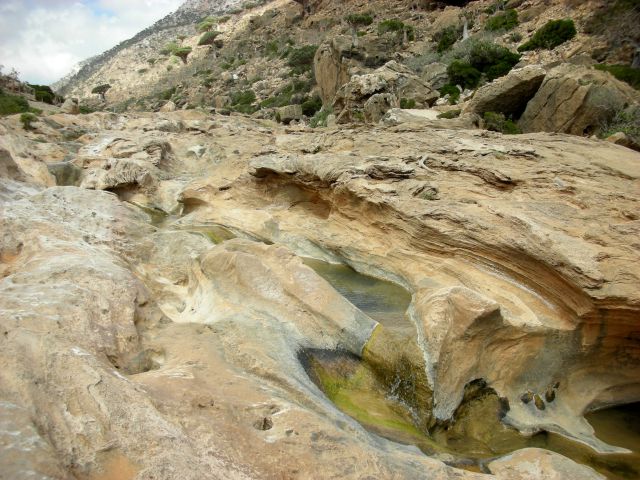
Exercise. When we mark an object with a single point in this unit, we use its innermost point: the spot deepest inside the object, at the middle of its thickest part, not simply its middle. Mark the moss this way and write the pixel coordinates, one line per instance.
(624, 73)
(552, 34)
(505, 21)
(450, 114)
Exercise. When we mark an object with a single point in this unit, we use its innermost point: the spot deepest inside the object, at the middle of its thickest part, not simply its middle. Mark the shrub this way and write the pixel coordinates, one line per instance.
(450, 114)
(301, 59)
(167, 94)
(502, 21)
(463, 74)
(143, 70)
(169, 48)
(151, 61)
(496, 122)
(452, 91)
(208, 38)
(43, 93)
(284, 96)
(552, 34)
(447, 37)
(84, 109)
(515, 37)
(359, 19)
(242, 101)
(625, 121)
(101, 90)
(27, 119)
(182, 53)
(407, 103)
(311, 106)
(206, 24)
(624, 73)
(320, 118)
(10, 104)
(487, 55)
(397, 26)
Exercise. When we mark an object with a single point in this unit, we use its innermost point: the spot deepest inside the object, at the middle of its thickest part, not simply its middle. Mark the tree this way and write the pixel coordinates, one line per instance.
(101, 90)
(207, 24)
(182, 53)
(356, 20)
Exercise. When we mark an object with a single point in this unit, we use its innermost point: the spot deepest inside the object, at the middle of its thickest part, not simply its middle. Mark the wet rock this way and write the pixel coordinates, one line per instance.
(538, 402)
(526, 397)
(550, 394)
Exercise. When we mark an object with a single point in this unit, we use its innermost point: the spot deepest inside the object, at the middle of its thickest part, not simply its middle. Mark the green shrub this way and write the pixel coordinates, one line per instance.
(397, 26)
(623, 73)
(450, 114)
(143, 70)
(515, 37)
(502, 21)
(101, 90)
(242, 101)
(625, 121)
(359, 19)
(447, 37)
(407, 103)
(169, 48)
(151, 61)
(320, 118)
(463, 74)
(284, 95)
(43, 93)
(489, 57)
(85, 109)
(182, 53)
(27, 119)
(208, 38)
(10, 104)
(452, 91)
(206, 24)
(311, 106)
(301, 59)
(496, 122)
(552, 34)
(167, 94)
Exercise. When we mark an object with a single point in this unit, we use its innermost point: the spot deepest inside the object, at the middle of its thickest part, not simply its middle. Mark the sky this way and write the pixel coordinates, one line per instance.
(44, 39)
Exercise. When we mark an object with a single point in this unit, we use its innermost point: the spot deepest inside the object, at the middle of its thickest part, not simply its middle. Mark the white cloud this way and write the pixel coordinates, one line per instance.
(44, 39)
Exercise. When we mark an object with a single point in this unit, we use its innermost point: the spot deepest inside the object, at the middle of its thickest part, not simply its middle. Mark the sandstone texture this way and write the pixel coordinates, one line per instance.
(139, 342)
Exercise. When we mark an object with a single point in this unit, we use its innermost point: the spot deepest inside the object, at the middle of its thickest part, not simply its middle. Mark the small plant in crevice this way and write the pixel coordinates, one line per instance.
(320, 118)
(626, 121)
(407, 103)
(497, 122)
(552, 34)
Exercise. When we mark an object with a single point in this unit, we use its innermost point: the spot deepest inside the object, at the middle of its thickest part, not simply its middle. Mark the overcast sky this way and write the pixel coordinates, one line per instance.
(44, 39)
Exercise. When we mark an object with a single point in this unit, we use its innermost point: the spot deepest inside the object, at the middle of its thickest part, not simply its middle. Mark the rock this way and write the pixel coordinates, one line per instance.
(222, 101)
(527, 397)
(290, 113)
(537, 464)
(509, 94)
(9, 168)
(168, 107)
(429, 118)
(377, 105)
(576, 99)
(435, 75)
(391, 79)
(70, 106)
(621, 138)
(538, 402)
(550, 394)
(197, 150)
(331, 67)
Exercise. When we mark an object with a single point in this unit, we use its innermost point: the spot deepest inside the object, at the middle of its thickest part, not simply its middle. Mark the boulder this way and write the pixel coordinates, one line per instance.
(71, 106)
(331, 68)
(392, 79)
(576, 99)
(535, 463)
(435, 75)
(289, 113)
(621, 138)
(509, 94)
(168, 107)
(377, 105)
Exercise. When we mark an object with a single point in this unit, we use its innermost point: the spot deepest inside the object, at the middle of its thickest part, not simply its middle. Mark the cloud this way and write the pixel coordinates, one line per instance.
(44, 39)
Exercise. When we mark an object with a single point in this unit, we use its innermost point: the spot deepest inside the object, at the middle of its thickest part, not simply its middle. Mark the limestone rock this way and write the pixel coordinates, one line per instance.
(290, 113)
(377, 105)
(575, 99)
(70, 106)
(621, 138)
(390, 79)
(331, 68)
(509, 94)
(435, 75)
(168, 107)
(537, 464)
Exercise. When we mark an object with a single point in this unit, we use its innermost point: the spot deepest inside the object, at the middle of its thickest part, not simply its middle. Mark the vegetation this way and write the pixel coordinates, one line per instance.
(463, 74)
(497, 122)
(301, 59)
(498, 5)
(27, 119)
(624, 73)
(452, 91)
(101, 90)
(182, 53)
(311, 106)
(447, 37)
(207, 24)
(400, 28)
(356, 20)
(242, 101)
(320, 118)
(407, 103)
(450, 114)
(285, 95)
(11, 104)
(505, 21)
(552, 34)
(43, 93)
(208, 38)
(625, 121)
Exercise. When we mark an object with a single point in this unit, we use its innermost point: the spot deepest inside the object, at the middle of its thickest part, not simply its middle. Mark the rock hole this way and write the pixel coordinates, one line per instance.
(264, 423)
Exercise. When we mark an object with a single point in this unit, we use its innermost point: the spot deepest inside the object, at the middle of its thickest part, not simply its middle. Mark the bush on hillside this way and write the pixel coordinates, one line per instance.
(27, 119)
(399, 27)
(208, 38)
(283, 97)
(242, 101)
(447, 37)
(301, 59)
(626, 121)
(311, 106)
(43, 93)
(552, 34)
(182, 53)
(497, 122)
(624, 73)
(11, 104)
(502, 21)
(320, 118)
(452, 91)
(206, 24)
(359, 19)
(463, 74)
